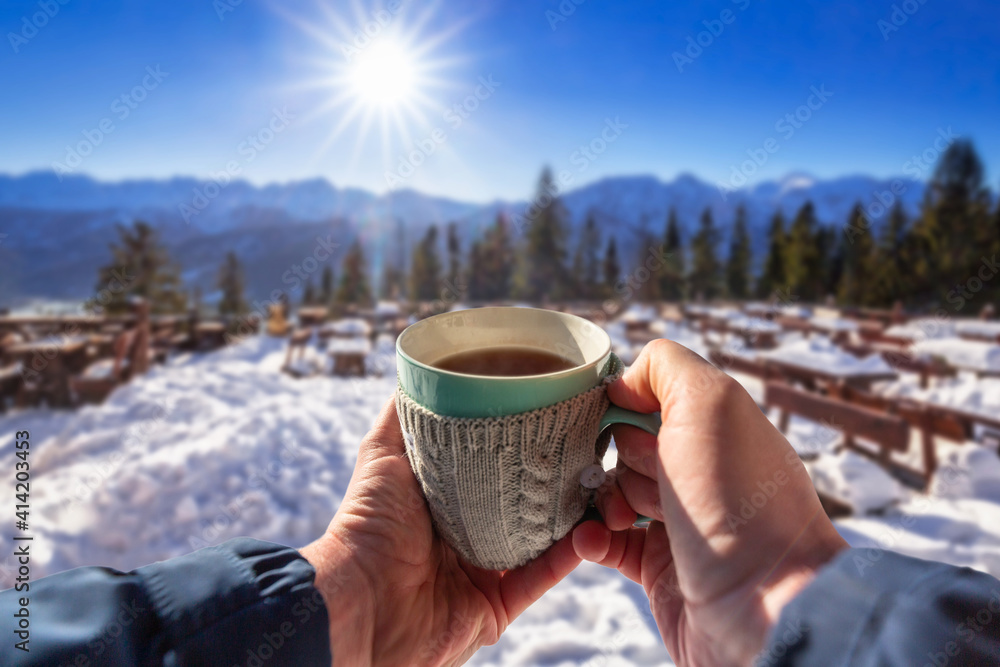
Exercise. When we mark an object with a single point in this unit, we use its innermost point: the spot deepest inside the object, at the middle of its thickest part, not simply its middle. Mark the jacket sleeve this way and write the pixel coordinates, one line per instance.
(244, 602)
(874, 607)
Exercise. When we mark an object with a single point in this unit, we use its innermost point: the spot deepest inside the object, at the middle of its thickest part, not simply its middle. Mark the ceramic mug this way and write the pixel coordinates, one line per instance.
(452, 394)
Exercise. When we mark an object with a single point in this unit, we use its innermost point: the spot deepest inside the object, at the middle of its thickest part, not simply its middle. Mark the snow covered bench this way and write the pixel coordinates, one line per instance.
(887, 432)
(297, 344)
(738, 364)
(10, 380)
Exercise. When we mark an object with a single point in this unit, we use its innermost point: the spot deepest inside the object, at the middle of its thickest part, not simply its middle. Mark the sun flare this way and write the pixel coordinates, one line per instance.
(379, 76)
(383, 76)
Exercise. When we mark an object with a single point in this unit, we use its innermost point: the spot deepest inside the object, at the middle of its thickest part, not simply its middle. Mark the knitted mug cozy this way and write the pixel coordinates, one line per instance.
(502, 490)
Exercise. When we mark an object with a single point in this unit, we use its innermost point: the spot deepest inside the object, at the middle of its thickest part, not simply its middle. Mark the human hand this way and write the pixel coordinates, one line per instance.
(717, 574)
(395, 593)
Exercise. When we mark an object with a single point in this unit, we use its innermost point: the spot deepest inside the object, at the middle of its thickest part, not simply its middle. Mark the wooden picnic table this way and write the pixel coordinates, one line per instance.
(311, 317)
(47, 367)
(969, 419)
(209, 335)
(812, 377)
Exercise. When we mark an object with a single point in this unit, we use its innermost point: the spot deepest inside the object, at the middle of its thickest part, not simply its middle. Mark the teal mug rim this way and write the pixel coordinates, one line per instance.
(501, 379)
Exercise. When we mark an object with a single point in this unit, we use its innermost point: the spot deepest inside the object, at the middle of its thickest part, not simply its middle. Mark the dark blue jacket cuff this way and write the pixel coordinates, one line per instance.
(244, 602)
(875, 607)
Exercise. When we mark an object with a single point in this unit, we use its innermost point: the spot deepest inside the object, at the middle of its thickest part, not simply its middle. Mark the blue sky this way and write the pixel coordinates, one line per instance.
(561, 76)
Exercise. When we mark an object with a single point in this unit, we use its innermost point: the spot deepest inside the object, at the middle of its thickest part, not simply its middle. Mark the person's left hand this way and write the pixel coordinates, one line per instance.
(395, 592)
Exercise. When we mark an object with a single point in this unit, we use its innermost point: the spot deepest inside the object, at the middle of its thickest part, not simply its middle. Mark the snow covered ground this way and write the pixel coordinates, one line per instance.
(209, 447)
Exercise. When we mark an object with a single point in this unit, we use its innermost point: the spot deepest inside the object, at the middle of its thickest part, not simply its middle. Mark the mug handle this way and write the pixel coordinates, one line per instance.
(650, 423)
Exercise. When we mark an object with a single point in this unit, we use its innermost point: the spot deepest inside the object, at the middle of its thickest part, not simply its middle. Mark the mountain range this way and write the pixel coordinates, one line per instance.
(55, 233)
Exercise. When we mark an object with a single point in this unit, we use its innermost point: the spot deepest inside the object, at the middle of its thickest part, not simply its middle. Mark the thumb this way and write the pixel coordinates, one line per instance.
(385, 437)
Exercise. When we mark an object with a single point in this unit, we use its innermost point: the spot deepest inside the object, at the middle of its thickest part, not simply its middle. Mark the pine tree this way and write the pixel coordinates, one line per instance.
(355, 287)
(140, 266)
(478, 282)
(740, 257)
(949, 236)
(648, 272)
(586, 261)
(672, 283)
(543, 271)
(231, 283)
(498, 260)
(773, 277)
(326, 286)
(454, 258)
(857, 279)
(705, 278)
(309, 294)
(830, 248)
(425, 272)
(393, 282)
(612, 268)
(803, 264)
(890, 262)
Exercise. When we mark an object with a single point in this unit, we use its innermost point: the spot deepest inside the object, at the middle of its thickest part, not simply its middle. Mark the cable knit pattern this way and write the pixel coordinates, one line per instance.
(501, 490)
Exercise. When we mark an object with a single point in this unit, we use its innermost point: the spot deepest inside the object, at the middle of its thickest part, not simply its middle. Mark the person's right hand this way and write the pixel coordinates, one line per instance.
(739, 530)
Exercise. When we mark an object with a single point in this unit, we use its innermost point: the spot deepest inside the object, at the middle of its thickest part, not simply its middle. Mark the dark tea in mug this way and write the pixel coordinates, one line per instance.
(513, 361)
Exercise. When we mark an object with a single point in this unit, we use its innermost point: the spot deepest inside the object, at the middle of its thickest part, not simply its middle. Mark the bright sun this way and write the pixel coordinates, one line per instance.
(379, 75)
(383, 76)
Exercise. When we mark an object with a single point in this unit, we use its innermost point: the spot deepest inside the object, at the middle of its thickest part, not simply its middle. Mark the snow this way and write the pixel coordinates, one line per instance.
(102, 369)
(758, 324)
(639, 314)
(967, 354)
(350, 326)
(834, 324)
(965, 393)
(856, 480)
(800, 312)
(212, 446)
(923, 329)
(387, 309)
(978, 328)
(819, 353)
(349, 345)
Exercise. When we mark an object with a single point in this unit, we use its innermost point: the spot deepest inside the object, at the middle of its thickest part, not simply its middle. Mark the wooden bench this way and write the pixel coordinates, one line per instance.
(127, 361)
(820, 380)
(731, 362)
(887, 432)
(297, 344)
(925, 368)
(10, 381)
(348, 364)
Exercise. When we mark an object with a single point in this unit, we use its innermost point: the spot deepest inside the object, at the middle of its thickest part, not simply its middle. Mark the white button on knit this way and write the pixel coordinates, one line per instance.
(592, 476)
